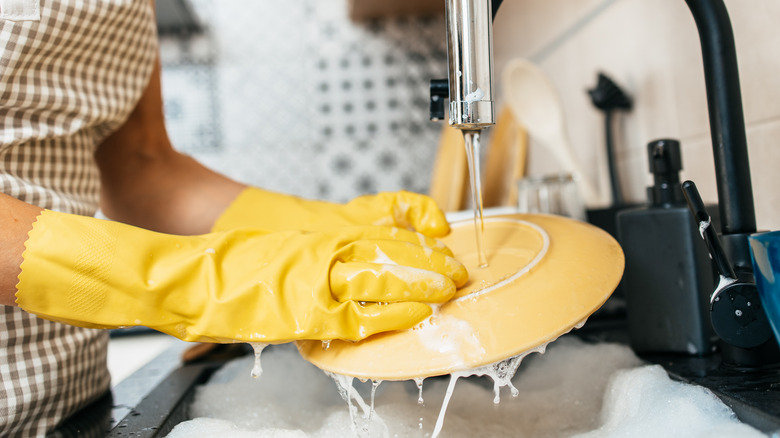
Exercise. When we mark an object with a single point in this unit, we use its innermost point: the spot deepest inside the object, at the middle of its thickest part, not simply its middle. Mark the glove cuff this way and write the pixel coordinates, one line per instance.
(68, 274)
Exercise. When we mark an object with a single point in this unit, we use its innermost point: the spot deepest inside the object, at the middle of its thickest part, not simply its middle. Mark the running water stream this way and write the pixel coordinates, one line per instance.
(471, 138)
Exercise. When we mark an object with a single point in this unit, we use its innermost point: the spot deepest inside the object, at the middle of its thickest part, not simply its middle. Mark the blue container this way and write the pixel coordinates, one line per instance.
(765, 253)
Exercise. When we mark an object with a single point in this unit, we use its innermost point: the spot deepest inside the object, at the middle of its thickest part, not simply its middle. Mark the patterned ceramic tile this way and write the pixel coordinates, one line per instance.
(293, 96)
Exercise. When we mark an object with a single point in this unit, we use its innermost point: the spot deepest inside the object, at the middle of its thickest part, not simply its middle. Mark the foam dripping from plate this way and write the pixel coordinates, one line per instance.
(501, 374)
(575, 389)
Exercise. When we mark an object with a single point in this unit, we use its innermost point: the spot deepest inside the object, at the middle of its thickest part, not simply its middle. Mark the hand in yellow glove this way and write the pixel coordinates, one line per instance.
(258, 208)
(243, 285)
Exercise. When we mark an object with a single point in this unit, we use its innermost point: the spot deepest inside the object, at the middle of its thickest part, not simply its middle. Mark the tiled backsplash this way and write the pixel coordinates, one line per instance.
(651, 49)
(293, 96)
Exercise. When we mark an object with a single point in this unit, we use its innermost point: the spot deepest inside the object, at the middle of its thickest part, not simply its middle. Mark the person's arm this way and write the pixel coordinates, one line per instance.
(145, 182)
(16, 219)
(241, 285)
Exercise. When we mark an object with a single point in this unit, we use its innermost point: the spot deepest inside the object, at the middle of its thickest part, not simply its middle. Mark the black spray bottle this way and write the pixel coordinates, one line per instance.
(668, 277)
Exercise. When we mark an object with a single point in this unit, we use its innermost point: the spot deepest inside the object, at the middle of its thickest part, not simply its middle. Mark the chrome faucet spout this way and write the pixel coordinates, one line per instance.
(470, 58)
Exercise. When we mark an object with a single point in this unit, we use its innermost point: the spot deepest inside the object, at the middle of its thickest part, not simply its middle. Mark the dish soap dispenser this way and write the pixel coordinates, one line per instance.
(668, 276)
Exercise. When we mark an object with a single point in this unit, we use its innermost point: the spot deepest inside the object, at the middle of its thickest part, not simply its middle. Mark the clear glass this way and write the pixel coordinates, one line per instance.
(550, 194)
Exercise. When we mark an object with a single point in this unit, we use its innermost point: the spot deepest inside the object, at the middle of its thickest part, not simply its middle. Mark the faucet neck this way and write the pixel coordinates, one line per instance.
(727, 121)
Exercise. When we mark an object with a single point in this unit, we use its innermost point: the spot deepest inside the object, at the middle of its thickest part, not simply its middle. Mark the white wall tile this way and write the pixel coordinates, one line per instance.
(755, 26)
(765, 173)
(652, 50)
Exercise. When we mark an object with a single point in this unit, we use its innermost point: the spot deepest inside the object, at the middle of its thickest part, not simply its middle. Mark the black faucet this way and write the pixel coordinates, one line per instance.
(727, 121)
(732, 166)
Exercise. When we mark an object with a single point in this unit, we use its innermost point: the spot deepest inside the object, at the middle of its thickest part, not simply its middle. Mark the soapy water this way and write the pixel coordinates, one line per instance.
(574, 389)
(257, 366)
(449, 337)
(500, 373)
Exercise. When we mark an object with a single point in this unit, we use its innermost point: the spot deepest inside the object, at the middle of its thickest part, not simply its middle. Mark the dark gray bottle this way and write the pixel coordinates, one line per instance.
(669, 276)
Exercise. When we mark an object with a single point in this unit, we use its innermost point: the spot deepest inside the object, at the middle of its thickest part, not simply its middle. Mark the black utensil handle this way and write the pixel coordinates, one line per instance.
(708, 233)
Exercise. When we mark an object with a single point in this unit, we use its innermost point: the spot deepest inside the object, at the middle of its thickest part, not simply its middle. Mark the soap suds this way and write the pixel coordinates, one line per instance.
(382, 258)
(599, 390)
(703, 225)
(475, 96)
(407, 274)
(448, 335)
(645, 403)
(257, 367)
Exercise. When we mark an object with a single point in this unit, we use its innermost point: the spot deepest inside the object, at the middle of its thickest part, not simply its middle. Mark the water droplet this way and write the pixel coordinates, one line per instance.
(419, 382)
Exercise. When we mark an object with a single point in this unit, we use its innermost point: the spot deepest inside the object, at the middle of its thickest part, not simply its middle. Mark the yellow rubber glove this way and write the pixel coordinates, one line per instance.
(258, 208)
(243, 285)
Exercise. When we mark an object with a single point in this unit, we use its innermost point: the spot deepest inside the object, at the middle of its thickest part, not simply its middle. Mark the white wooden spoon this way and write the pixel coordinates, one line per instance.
(536, 104)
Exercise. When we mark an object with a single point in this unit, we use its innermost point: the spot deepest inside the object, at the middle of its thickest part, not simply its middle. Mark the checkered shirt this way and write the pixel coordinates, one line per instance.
(70, 73)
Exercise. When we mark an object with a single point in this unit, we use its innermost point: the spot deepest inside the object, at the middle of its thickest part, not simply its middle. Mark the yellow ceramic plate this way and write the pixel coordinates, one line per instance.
(546, 275)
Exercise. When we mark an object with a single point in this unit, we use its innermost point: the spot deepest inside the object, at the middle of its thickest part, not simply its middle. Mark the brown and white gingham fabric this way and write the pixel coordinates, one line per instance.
(67, 80)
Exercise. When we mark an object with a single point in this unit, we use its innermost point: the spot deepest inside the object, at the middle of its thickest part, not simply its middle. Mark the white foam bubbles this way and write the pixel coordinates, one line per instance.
(644, 403)
(561, 393)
